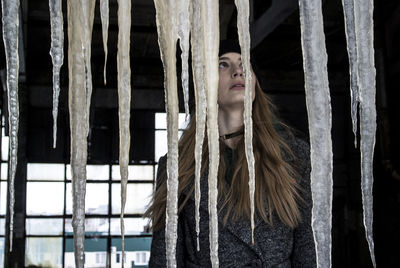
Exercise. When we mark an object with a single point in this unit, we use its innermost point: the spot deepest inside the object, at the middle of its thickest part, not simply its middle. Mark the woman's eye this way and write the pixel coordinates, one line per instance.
(222, 65)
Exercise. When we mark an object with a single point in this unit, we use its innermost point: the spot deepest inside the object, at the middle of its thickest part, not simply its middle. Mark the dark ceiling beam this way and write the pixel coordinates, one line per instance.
(107, 98)
(42, 21)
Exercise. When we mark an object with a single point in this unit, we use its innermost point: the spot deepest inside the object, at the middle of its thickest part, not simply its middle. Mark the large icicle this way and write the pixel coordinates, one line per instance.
(210, 20)
(10, 21)
(201, 102)
(348, 8)
(79, 40)
(183, 34)
(363, 11)
(104, 11)
(320, 121)
(124, 99)
(167, 36)
(57, 56)
(244, 39)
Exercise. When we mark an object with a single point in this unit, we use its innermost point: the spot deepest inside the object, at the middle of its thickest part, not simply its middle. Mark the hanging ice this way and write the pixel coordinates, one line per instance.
(319, 120)
(10, 21)
(183, 34)
(104, 10)
(201, 102)
(366, 76)
(348, 7)
(124, 99)
(210, 21)
(87, 23)
(57, 56)
(167, 36)
(244, 40)
(80, 22)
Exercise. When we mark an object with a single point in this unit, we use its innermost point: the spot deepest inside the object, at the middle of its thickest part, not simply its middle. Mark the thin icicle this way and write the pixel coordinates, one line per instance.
(210, 21)
(104, 11)
(201, 103)
(79, 40)
(348, 8)
(167, 36)
(320, 122)
(366, 75)
(183, 34)
(10, 18)
(244, 40)
(57, 56)
(124, 99)
(87, 23)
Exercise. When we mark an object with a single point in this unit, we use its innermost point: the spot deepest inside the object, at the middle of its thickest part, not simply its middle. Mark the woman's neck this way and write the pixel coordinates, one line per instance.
(230, 121)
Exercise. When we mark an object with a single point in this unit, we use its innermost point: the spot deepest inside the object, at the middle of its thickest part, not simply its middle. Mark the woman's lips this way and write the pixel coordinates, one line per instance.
(238, 86)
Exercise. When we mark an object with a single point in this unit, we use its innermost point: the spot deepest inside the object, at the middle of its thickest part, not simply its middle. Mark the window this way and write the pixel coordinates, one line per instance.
(49, 213)
(3, 188)
(101, 257)
(49, 233)
(161, 144)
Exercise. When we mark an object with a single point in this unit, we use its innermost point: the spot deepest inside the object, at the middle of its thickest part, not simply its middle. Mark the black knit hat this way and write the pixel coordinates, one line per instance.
(232, 45)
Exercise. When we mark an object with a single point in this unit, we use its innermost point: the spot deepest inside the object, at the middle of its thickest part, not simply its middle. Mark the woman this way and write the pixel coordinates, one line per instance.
(283, 235)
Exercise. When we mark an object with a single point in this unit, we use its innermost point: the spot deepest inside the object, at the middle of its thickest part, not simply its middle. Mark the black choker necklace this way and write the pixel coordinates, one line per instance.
(231, 135)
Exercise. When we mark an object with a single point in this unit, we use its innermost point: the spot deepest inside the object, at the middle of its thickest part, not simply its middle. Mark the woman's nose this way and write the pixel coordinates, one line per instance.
(237, 71)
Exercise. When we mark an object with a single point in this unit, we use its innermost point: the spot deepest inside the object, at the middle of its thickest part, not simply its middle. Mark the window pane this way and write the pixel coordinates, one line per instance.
(93, 226)
(137, 172)
(160, 144)
(137, 198)
(44, 226)
(137, 250)
(161, 121)
(45, 172)
(4, 145)
(96, 201)
(133, 226)
(45, 198)
(95, 252)
(1, 252)
(2, 226)
(4, 171)
(93, 172)
(3, 198)
(43, 252)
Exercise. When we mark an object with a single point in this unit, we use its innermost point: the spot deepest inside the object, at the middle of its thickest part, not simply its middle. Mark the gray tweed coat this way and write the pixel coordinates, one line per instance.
(275, 246)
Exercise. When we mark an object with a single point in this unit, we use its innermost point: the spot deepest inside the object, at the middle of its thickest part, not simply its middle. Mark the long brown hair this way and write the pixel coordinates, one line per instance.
(275, 187)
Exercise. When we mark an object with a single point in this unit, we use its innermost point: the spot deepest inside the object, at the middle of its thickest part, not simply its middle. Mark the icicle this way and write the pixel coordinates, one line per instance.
(57, 56)
(210, 20)
(348, 7)
(366, 75)
(104, 10)
(183, 34)
(167, 36)
(201, 102)
(244, 39)
(87, 23)
(79, 100)
(10, 17)
(319, 119)
(124, 98)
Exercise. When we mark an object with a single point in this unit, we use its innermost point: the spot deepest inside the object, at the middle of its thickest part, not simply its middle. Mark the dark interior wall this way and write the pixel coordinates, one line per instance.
(103, 139)
(279, 57)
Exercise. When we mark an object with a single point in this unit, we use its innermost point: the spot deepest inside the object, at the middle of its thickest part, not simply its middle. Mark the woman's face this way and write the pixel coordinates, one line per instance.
(231, 86)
